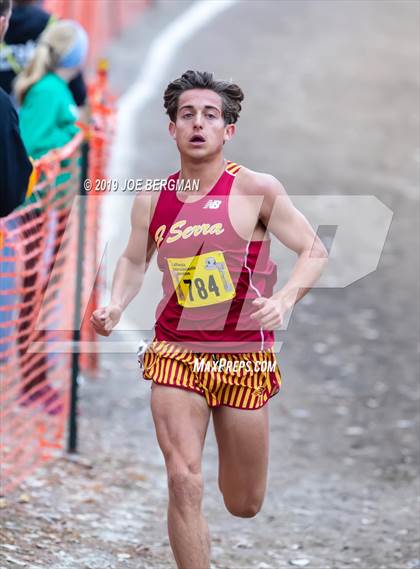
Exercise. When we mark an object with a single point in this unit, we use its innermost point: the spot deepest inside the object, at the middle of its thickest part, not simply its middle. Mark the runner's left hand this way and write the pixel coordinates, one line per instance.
(269, 312)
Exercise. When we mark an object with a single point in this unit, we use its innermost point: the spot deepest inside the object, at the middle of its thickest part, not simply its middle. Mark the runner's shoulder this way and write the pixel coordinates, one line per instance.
(147, 201)
(254, 183)
(143, 207)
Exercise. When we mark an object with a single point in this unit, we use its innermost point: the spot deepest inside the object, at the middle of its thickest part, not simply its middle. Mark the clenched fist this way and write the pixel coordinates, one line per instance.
(269, 312)
(105, 319)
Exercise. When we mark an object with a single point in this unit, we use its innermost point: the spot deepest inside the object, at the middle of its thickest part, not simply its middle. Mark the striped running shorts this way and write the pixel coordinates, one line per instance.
(241, 380)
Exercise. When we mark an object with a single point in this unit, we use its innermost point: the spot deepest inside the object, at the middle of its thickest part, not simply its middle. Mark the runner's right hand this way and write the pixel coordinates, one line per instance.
(105, 319)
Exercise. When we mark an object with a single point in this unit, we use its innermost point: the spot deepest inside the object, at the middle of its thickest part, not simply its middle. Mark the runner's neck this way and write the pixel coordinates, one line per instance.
(207, 173)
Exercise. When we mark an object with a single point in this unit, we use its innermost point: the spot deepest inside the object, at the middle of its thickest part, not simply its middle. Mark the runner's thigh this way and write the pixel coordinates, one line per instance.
(181, 418)
(243, 441)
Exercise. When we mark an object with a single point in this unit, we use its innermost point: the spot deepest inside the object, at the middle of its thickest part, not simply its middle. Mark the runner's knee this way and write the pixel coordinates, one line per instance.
(185, 486)
(244, 508)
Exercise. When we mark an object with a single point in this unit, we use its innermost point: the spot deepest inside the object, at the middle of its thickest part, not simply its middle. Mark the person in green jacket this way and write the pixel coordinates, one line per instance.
(48, 112)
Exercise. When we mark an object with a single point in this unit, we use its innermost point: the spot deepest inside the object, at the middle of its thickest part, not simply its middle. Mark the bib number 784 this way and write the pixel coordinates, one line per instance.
(200, 287)
(201, 280)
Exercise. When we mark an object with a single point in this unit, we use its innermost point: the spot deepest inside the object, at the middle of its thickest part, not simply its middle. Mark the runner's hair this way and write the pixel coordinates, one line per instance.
(5, 6)
(231, 94)
(55, 41)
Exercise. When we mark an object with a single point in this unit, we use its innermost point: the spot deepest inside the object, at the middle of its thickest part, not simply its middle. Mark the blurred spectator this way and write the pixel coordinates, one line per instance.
(48, 117)
(15, 166)
(27, 22)
(42, 88)
(15, 171)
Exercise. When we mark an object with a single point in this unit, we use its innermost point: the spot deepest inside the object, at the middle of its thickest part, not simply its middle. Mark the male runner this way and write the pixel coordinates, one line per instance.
(212, 352)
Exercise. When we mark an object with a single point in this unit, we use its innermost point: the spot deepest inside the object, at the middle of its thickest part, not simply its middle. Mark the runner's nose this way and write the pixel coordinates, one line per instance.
(198, 121)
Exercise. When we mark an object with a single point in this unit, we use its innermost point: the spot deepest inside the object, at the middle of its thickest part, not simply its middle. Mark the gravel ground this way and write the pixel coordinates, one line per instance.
(331, 107)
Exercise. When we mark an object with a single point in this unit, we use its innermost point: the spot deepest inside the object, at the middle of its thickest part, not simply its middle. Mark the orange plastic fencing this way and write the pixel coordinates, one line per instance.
(35, 385)
(38, 250)
(103, 109)
(102, 19)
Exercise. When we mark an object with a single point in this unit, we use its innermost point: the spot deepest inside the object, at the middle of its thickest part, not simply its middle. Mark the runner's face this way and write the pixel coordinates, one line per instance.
(199, 130)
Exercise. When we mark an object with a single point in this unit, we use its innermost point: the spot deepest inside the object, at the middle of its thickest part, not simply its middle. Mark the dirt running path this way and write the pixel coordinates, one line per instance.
(331, 107)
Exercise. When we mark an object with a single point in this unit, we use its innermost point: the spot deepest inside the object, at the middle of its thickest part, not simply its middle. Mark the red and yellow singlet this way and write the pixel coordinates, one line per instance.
(211, 275)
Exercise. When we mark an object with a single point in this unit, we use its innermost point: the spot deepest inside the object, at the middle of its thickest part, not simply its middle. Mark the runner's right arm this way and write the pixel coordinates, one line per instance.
(131, 268)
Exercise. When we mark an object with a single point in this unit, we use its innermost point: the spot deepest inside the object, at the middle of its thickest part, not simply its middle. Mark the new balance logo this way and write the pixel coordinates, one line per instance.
(212, 204)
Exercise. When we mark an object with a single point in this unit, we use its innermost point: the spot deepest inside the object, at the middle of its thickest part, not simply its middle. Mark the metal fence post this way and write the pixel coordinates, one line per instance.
(72, 438)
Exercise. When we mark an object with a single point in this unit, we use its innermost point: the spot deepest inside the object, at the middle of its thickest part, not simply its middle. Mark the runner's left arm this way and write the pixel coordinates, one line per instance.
(283, 220)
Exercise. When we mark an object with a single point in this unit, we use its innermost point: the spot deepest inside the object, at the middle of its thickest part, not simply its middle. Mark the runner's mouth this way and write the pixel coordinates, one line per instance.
(197, 139)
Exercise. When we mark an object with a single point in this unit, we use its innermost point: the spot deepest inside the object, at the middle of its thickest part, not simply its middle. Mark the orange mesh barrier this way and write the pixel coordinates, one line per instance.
(101, 19)
(103, 114)
(34, 395)
(38, 272)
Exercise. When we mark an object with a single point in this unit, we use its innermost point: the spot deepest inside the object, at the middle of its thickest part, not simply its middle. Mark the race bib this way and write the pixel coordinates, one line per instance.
(201, 280)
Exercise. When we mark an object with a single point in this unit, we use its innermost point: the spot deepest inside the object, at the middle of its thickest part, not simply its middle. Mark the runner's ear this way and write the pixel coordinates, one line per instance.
(172, 130)
(230, 130)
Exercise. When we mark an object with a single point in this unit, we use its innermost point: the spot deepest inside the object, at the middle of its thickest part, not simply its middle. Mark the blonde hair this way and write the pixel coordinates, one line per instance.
(55, 41)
